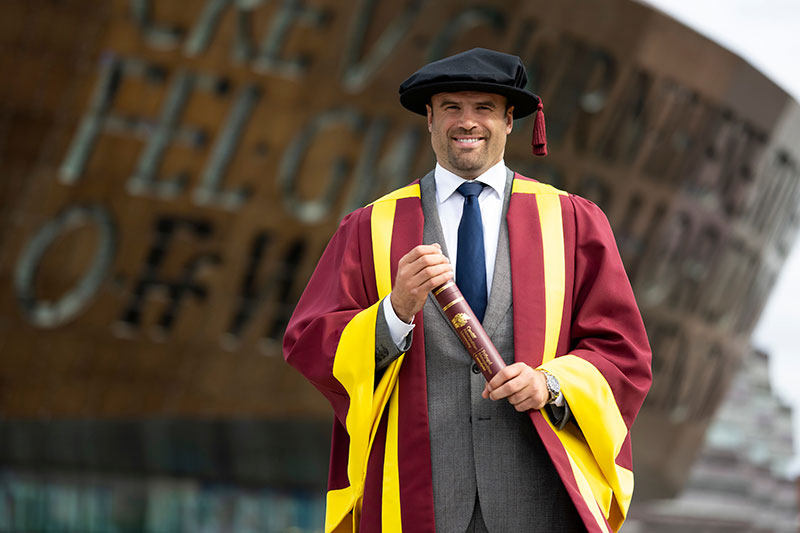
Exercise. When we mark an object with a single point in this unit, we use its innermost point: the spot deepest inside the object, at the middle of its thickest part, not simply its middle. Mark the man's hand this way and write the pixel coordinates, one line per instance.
(524, 387)
(419, 271)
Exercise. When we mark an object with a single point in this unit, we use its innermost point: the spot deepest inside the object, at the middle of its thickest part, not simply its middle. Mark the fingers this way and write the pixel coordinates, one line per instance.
(420, 266)
(421, 251)
(523, 400)
(506, 374)
(422, 256)
(420, 270)
(523, 387)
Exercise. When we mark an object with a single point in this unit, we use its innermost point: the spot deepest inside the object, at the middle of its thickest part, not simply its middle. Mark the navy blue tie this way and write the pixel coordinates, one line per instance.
(470, 261)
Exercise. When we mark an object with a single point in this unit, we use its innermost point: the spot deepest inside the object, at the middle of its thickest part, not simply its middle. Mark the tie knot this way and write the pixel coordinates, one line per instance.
(470, 188)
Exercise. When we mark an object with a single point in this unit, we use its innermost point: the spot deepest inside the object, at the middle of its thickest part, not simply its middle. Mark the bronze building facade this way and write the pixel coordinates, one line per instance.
(170, 171)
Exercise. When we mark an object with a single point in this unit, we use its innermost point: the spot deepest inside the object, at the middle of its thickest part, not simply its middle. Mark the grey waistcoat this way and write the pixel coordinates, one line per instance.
(484, 446)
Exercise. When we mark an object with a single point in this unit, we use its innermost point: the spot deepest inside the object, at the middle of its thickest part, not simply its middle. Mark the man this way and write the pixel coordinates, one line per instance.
(421, 442)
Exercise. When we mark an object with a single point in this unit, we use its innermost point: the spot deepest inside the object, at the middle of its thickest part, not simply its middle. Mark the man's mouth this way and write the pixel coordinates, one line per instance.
(467, 140)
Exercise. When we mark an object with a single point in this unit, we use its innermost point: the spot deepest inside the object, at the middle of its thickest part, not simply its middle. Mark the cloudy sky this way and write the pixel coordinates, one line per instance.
(764, 32)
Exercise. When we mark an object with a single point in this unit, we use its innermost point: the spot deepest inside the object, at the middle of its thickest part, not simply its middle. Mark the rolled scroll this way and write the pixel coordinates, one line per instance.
(469, 329)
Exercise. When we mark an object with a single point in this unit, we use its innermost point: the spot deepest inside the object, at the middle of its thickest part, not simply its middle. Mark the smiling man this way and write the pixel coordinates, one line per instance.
(469, 133)
(420, 441)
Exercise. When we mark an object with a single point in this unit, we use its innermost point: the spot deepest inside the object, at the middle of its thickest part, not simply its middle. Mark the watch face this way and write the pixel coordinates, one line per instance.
(553, 386)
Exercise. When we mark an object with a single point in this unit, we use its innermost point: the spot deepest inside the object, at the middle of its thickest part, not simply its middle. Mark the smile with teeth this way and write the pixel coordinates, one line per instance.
(468, 140)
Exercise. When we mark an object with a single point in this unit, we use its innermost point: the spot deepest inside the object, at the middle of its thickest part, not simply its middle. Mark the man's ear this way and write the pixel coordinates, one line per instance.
(429, 110)
(509, 119)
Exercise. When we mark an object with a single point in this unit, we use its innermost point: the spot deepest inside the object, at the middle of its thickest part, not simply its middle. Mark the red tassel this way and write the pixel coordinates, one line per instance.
(539, 141)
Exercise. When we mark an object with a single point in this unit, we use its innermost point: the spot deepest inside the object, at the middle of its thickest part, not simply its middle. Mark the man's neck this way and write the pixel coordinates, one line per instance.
(469, 176)
(447, 182)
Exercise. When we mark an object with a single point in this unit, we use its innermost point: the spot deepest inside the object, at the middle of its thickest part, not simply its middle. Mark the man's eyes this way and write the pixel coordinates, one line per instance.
(479, 108)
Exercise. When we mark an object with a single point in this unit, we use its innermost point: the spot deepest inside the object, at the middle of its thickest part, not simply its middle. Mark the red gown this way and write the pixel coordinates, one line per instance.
(574, 315)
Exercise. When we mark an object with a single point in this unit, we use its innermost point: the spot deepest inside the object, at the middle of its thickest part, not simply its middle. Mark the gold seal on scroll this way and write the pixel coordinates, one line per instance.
(460, 320)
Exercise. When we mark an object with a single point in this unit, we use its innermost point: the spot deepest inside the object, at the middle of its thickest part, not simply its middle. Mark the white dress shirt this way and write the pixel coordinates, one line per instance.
(450, 205)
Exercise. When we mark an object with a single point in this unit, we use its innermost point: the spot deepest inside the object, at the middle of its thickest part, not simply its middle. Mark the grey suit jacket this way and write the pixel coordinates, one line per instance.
(479, 446)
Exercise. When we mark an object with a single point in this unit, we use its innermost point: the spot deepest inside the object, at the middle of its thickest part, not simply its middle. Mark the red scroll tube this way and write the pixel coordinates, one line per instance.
(469, 329)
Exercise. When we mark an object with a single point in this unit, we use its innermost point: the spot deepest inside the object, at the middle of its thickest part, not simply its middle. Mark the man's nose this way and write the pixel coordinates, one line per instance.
(467, 120)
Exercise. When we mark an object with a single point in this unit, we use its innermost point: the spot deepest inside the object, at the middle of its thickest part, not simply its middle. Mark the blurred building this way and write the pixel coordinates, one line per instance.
(741, 480)
(171, 170)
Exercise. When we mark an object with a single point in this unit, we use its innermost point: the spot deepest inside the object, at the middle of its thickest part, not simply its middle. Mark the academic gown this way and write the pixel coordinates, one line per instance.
(574, 315)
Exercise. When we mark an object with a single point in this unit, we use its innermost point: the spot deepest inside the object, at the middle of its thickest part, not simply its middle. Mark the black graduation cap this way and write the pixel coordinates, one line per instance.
(481, 70)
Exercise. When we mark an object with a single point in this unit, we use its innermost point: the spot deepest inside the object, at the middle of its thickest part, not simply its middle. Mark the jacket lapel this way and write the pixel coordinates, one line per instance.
(432, 229)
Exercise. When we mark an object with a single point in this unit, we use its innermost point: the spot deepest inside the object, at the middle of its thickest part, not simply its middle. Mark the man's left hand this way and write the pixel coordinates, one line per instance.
(524, 387)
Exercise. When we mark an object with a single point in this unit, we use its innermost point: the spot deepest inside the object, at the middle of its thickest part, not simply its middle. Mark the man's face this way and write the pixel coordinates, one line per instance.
(469, 130)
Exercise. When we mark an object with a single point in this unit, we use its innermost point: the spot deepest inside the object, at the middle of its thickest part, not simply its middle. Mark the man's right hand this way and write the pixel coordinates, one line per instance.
(419, 271)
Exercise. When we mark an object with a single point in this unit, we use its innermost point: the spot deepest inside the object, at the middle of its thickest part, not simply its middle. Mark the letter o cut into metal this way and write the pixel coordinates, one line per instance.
(51, 314)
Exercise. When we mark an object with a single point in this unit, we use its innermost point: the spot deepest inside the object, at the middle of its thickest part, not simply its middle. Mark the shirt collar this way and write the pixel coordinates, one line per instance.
(447, 182)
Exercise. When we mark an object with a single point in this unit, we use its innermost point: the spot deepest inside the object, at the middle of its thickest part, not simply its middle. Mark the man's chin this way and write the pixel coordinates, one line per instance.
(468, 164)
(471, 167)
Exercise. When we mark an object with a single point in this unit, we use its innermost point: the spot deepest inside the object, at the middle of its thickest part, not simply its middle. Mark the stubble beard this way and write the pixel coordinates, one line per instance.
(471, 160)
(467, 161)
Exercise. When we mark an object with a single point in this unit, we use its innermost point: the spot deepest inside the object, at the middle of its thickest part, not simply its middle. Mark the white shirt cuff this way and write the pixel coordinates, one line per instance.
(398, 329)
(559, 401)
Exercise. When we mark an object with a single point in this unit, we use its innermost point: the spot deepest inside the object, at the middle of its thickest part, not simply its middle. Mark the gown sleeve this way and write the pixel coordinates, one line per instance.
(341, 287)
(607, 329)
